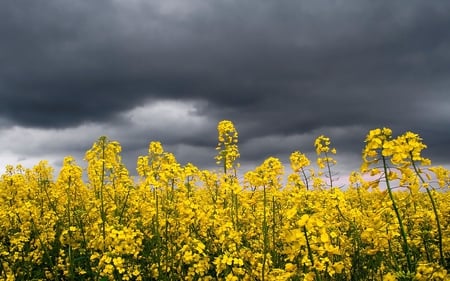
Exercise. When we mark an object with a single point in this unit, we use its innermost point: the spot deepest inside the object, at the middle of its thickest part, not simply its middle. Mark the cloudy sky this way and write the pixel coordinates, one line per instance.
(283, 71)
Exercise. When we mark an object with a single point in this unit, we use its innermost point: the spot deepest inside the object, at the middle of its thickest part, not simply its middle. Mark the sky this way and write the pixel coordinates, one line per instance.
(284, 72)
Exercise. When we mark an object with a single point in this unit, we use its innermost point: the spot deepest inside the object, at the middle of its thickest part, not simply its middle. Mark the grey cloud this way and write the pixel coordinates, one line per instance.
(282, 68)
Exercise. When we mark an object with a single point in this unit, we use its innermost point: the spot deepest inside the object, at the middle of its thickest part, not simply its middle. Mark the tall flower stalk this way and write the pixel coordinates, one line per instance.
(379, 145)
(413, 146)
(227, 147)
(299, 162)
(227, 156)
(322, 144)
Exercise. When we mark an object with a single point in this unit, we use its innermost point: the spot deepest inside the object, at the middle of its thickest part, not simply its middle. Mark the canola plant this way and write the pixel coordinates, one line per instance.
(177, 222)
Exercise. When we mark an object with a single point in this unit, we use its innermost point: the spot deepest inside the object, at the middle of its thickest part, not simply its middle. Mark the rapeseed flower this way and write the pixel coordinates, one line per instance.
(177, 222)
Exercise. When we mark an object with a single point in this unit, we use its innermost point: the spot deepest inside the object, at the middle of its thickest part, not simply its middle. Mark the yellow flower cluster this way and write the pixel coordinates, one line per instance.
(401, 150)
(298, 161)
(178, 222)
(227, 146)
(322, 144)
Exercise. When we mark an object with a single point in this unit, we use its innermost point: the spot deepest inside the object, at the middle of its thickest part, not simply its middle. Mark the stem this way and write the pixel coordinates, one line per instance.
(305, 178)
(44, 247)
(225, 161)
(69, 195)
(360, 199)
(158, 236)
(265, 234)
(166, 242)
(235, 216)
(397, 213)
(102, 205)
(329, 170)
(433, 204)
(275, 255)
(236, 199)
(310, 255)
(124, 205)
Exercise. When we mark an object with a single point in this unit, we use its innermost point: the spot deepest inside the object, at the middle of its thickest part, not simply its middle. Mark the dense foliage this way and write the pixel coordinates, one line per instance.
(176, 222)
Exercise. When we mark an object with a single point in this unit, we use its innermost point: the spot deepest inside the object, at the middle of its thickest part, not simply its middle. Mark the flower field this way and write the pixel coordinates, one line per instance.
(177, 222)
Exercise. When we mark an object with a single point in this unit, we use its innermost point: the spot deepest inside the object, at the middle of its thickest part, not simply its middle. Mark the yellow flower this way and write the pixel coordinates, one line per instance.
(322, 144)
(298, 161)
(389, 277)
(227, 146)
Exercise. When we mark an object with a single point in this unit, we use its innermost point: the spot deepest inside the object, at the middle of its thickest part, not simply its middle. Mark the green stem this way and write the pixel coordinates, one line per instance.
(69, 196)
(436, 215)
(225, 161)
(265, 235)
(235, 207)
(275, 255)
(305, 178)
(310, 254)
(329, 170)
(102, 183)
(399, 218)
(46, 250)
(158, 236)
(124, 205)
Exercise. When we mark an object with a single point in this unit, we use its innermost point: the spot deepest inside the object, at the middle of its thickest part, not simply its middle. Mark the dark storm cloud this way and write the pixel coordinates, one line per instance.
(273, 67)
